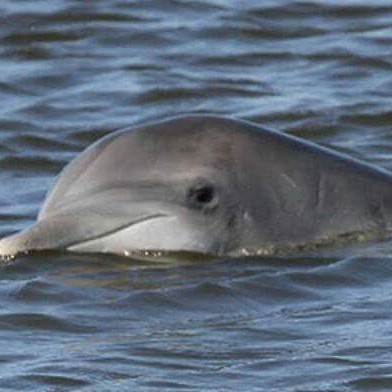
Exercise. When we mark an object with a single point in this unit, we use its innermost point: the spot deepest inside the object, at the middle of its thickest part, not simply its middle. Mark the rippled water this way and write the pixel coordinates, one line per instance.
(72, 71)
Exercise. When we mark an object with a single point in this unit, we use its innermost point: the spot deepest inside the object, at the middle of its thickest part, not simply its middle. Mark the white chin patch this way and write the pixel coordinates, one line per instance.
(158, 233)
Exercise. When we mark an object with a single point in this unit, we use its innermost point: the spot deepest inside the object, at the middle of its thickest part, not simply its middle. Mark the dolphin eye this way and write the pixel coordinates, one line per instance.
(202, 195)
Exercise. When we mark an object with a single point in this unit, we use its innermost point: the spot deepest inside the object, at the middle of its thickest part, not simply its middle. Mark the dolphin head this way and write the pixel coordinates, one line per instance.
(205, 184)
(167, 186)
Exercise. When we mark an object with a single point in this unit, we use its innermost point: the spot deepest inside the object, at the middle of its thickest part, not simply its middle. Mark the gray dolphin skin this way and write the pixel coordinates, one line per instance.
(207, 184)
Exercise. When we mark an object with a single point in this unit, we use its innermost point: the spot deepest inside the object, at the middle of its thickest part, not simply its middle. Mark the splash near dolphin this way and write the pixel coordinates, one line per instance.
(207, 184)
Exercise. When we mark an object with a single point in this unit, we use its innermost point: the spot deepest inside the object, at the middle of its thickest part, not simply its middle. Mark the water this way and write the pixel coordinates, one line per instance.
(73, 71)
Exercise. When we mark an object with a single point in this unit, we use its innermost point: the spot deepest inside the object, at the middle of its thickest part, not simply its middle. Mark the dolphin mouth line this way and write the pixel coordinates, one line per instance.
(114, 231)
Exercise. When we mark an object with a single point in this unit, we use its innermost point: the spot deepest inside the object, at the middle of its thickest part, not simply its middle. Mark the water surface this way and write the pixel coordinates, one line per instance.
(73, 71)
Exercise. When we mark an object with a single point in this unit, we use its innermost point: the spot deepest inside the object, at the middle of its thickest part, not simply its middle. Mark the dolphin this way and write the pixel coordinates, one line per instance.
(207, 184)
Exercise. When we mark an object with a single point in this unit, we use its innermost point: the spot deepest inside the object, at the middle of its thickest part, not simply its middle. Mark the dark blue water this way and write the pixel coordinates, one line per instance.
(73, 71)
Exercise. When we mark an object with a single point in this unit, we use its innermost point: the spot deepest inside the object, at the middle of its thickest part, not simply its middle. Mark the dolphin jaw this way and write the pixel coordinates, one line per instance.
(153, 232)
